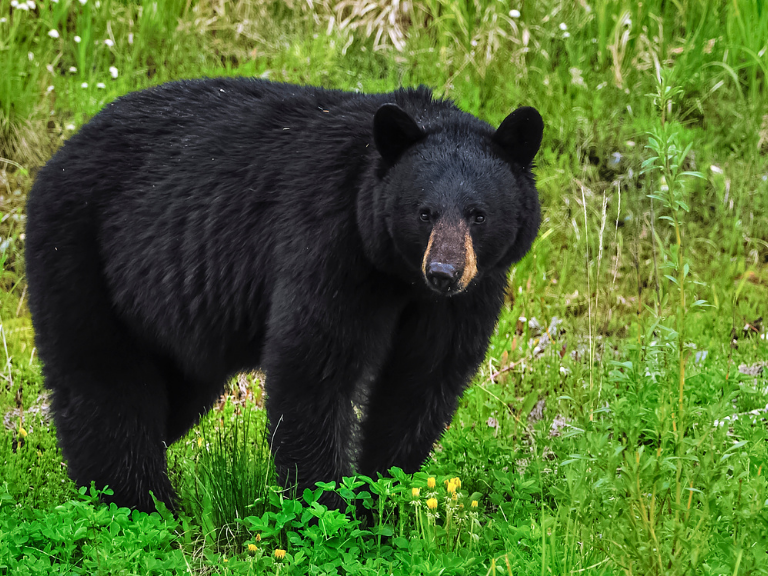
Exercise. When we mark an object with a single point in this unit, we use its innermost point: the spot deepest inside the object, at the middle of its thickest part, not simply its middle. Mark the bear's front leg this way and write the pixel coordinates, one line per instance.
(437, 348)
(314, 363)
(310, 423)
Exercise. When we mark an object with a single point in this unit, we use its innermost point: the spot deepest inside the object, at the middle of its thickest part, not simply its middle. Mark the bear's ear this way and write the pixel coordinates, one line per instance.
(520, 134)
(394, 131)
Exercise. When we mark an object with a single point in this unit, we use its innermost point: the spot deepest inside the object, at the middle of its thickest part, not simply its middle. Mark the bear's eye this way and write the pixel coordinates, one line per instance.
(424, 216)
(478, 218)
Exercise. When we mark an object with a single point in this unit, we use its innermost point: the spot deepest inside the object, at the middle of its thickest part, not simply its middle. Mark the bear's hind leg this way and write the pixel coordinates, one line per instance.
(109, 396)
(111, 424)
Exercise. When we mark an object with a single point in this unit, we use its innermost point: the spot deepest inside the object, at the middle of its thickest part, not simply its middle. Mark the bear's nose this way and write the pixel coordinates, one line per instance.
(441, 276)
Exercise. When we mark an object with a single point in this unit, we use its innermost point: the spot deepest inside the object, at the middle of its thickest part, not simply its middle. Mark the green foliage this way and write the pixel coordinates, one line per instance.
(80, 537)
(30, 461)
(407, 536)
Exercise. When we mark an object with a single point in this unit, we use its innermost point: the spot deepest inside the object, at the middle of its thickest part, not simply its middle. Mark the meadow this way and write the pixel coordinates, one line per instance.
(619, 423)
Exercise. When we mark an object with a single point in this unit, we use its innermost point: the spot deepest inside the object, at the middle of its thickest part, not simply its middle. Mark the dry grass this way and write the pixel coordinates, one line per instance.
(24, 144)
(387, 21)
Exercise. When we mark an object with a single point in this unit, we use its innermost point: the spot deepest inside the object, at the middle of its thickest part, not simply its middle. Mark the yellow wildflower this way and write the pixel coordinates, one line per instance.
(451, 487)
(199, 442)
(22, 432)
(415, 492)
(474, 503)
(279, 554)
(457, 482)
(432, 503)
(430, 482)
(258, 537)
(252, 548)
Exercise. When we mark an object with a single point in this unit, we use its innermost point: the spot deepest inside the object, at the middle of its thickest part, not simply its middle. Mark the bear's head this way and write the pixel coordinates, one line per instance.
(457, 198)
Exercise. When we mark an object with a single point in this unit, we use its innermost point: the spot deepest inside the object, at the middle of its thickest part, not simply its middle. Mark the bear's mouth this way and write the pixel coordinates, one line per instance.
(450, 262)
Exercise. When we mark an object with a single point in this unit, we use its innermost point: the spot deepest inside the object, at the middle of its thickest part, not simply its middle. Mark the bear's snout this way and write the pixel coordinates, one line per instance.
(450, 262)
(442, 276)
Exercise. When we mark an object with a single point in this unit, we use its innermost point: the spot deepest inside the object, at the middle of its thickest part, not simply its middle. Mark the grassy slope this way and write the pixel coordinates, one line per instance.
(619, 488)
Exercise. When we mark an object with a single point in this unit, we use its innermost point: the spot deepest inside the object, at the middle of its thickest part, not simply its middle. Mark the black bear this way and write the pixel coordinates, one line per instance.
(352, 246)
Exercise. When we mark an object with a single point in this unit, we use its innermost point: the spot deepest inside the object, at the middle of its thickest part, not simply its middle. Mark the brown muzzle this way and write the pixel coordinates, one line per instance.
(449, 261)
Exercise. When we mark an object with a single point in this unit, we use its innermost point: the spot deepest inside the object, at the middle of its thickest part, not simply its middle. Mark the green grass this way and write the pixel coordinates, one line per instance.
(582, 450)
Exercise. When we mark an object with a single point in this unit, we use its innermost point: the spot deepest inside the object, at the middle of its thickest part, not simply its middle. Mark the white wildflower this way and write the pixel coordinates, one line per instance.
(716, 169)
(53, 33)
(31, 56)
(69, 127)
(72, 69)
(109, 42)
(130, 38)
(83, 2)
(84, 85)
(563, 26)
(101, 85)
(3, 20)
(49, 90)
(514, 13)
(31, 4)
(566, 34)
(577, 78)
(113, 71)
(78, 39)
(15, 3)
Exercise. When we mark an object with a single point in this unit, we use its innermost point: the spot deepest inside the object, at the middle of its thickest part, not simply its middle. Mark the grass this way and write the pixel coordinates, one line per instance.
(618, 425)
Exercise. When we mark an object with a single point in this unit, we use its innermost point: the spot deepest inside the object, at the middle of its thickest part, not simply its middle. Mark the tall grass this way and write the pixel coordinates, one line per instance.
(225, 472)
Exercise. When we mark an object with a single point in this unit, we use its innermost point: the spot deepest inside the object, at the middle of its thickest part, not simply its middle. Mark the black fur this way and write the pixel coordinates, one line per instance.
(201, 228)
